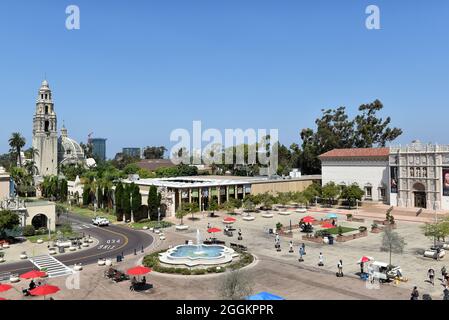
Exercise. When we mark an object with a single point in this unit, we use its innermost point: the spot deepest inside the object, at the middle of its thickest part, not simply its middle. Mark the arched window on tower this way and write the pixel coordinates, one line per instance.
(46, 109)
(47, 126)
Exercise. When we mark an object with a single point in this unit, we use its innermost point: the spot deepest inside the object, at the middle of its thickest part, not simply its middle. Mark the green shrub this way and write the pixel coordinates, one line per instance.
(279, 226)
(42, 231)
(28, 231)
(199, 271)
(186, 272)
(362, 229)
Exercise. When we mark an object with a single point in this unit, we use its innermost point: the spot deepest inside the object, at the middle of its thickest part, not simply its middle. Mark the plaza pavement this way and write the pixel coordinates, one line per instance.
(276, 272)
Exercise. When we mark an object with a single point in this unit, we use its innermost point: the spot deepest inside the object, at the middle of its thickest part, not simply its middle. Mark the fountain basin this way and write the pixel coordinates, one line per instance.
(194, 255)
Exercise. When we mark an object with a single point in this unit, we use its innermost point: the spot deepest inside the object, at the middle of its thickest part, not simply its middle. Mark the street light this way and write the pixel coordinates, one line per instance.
(159, 217)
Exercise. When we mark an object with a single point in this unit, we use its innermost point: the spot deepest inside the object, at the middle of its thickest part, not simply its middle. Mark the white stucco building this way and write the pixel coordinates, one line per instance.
(368, 168)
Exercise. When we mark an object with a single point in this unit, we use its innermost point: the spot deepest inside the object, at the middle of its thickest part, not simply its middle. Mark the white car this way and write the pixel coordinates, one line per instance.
(100, 221)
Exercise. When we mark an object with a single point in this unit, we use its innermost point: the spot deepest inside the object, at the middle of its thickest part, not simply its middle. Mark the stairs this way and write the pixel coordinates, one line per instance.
(52, 266)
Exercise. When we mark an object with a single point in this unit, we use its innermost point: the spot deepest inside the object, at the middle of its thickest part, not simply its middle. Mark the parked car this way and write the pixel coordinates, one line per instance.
(100, 221)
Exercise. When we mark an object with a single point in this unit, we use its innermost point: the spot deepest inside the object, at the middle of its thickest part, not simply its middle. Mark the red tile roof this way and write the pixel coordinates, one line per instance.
(357, 152)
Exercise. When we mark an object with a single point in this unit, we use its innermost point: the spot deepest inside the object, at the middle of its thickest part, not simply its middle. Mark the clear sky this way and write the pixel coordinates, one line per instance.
(136, 70)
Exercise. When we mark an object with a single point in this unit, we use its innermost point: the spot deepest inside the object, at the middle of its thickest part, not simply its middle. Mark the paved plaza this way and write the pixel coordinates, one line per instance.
(277, 272)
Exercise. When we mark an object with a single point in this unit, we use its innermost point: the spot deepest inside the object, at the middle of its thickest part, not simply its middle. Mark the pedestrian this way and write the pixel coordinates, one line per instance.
(438, 253)
(208, 225)
(303, 245)
(321, 260)
(443, 272)
(371, 273)
(301, 253)
(415, 294)
(291, 247)
(431, 275)
(446, 293)
(340, 268)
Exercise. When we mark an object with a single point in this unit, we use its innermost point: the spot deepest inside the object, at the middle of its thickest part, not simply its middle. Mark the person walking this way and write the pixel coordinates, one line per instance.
(443, 273)
(303, 245)
(291, 247)
(301, 253)
(431, 275)
(321, 260)
(340, 268)
(446, 293)
(415, 294)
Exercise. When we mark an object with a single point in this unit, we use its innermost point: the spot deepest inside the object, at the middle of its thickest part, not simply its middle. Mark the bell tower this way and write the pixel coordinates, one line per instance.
(45, 133)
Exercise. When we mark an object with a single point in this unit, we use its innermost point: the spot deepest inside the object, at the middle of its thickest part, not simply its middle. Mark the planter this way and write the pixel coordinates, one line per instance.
(2, 260)
(90, 240)
(40, 241)
(77, 267)
(301, 210)
(157, 231)
(145, 228)
(23, 256)
(267, 215)
(284, 213)
(358, 220)
(14, 279)
(5, 245)
(162, 238)
(52, 252)
(101, 262)
(249, 218)
(108, 262)
(72, 248)
(182, 227)
(85, 245)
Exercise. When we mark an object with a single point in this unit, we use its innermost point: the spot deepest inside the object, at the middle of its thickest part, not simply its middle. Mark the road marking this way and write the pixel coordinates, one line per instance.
(53, 267)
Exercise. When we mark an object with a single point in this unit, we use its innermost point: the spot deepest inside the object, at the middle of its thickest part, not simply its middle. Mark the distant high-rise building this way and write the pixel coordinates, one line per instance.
(132, 152)
(99, 148)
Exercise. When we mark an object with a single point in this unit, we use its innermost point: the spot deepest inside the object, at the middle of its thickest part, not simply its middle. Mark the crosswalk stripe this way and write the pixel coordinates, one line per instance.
(54, 267)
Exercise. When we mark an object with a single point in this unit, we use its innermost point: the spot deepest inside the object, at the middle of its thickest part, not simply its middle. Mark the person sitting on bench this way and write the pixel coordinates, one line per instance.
(133, 284)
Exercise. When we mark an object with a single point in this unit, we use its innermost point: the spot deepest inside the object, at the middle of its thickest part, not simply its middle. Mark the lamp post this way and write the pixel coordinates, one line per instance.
(132, 213)
(159, 217)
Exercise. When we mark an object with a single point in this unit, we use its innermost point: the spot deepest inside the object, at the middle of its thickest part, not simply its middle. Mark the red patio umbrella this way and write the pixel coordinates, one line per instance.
(44, 290)
(327, 225)
(229, 219)
(308, 219)
(33, 274)
(138, 271)
(2, 299)
(365, 259)
(213, 230)
(5, 287)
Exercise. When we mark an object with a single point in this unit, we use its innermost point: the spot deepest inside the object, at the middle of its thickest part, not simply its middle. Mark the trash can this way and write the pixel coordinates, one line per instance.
(61, 249)
(331, 240)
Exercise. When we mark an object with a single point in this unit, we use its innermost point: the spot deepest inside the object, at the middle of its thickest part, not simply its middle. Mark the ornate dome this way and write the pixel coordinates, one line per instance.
(69, 151)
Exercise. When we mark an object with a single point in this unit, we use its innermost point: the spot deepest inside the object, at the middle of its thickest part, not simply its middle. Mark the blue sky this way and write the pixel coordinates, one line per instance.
(136, 70)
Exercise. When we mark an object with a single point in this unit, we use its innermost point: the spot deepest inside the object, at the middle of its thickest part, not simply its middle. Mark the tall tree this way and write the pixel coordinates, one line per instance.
(126, 203)
(17, 142)
(154, 202)
(392, 242)
(136, 198)
(154, 152)
(336, 130)
(118, 201)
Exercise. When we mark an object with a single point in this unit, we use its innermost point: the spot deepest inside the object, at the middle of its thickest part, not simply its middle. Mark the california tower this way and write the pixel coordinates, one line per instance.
(45, 133)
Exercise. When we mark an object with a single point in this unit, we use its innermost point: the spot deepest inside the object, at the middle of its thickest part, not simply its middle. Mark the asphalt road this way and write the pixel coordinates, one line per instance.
(112, 241)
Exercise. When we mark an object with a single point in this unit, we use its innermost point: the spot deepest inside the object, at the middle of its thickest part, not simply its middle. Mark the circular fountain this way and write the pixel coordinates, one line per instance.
(198, 255)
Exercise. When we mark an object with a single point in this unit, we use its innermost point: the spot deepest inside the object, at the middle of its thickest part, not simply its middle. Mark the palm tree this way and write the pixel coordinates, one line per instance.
(31, 153)
(17, 142)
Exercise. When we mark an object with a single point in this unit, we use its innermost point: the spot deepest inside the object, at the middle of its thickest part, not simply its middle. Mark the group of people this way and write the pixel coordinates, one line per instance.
(444, 275)
(136, 284)
(31, 286)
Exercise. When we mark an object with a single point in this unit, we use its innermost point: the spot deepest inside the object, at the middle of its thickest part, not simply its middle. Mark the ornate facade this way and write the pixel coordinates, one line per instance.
(417, 176)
